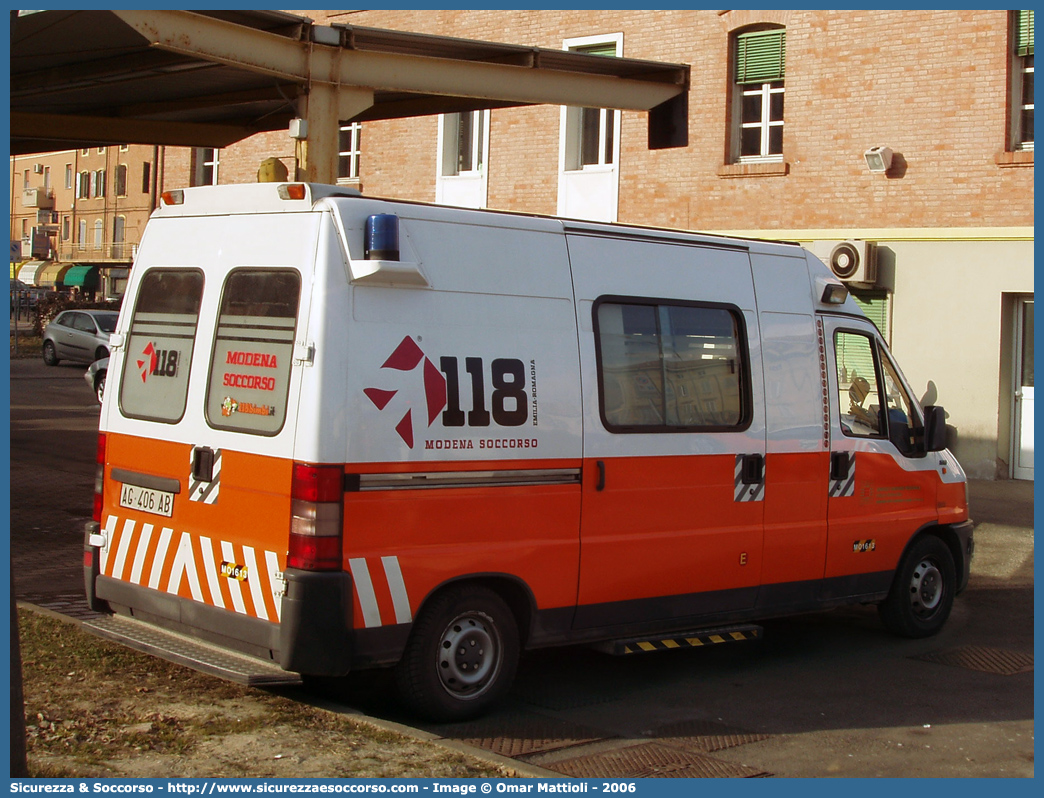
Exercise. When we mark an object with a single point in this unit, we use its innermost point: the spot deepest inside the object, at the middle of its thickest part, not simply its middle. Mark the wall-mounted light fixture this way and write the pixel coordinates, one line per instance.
(878, 159)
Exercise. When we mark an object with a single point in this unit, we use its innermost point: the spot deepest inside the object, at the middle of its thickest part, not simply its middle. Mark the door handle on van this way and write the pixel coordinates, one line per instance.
(840, 465)
(753, 469)
(600, 464)
(203, 464)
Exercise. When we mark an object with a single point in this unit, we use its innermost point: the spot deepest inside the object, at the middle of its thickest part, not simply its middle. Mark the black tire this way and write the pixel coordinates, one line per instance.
(99, 386)
(461, 656)
(50, 356)
(923, 590)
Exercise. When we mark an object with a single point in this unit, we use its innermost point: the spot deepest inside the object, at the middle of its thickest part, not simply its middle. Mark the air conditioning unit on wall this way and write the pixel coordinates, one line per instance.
(852, 261)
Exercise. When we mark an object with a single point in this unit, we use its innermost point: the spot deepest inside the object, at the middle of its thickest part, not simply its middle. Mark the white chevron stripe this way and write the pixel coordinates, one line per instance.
(160, 558)
(121, 551)
(254, 581)
(210, 569)
(400, 599)
(364, 589)
(140, 552)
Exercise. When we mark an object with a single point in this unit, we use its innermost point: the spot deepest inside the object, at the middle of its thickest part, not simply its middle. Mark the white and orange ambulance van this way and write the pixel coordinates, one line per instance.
(342, 433)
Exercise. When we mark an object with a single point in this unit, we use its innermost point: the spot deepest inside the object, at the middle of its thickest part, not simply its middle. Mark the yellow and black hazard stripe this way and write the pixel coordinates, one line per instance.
(706, 637)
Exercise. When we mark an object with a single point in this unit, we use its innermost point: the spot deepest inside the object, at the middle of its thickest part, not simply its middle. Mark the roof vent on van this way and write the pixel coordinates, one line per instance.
(382, 237)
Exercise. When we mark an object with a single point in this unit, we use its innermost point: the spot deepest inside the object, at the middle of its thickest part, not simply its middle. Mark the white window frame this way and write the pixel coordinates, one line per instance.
(765, 92)
(353, 153)
(1022, 65)
(449, 139)
(202, 162)
(453, 185)
(572, 118)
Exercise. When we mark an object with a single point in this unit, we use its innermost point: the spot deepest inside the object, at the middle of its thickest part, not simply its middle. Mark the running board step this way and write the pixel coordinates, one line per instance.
(191, 653)
(693, 639)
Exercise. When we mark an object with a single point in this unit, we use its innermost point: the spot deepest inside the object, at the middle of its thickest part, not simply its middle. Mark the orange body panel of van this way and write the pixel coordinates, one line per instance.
(795, 517)
(667, 526)
(530, 533)
(870, 530)
(227, 553)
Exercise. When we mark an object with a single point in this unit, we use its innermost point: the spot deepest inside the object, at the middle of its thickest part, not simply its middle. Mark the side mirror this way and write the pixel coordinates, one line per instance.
(934, 429)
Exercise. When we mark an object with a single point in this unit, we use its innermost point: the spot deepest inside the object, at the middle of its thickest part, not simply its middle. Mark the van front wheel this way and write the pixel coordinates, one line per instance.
(922, 593)
(461, 656)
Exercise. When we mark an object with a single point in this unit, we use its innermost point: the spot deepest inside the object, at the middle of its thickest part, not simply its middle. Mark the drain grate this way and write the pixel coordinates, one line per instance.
(703, 735)
(980, 658)
(651, 761)
(516, 734)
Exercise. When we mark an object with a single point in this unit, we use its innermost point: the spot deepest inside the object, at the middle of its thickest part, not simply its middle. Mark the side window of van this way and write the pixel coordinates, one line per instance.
(253, 349)
(666, 366)
(159, 345)
(859, 396)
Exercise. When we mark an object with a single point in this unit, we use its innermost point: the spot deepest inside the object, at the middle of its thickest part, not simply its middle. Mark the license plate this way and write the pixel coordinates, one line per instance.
(147, 500)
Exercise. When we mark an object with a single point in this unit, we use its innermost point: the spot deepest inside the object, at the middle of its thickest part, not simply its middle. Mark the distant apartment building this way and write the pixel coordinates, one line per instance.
(897, 145)
(77, 215)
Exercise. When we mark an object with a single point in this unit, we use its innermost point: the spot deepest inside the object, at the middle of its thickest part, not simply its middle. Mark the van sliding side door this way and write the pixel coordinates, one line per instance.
(674, 436)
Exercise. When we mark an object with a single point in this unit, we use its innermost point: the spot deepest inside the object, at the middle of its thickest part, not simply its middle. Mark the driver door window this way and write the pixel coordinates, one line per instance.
(857, 384)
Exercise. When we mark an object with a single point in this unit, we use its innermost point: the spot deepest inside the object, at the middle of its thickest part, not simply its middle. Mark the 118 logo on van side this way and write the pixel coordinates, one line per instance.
(506, 406)
(158, 362)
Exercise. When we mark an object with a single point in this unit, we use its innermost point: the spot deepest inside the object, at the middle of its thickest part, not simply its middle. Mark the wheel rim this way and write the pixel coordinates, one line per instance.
(469, 655)
(926, 588)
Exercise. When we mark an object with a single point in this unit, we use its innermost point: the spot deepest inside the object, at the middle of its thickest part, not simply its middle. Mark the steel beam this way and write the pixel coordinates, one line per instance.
(118, 130)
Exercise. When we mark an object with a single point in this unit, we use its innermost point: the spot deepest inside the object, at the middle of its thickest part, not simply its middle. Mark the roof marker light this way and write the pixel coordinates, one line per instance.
(173, 197)
(293, 191)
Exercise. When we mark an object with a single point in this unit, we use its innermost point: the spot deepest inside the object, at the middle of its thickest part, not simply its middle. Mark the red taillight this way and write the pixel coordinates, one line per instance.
(314, 483)
(99, 478)
(316, 517)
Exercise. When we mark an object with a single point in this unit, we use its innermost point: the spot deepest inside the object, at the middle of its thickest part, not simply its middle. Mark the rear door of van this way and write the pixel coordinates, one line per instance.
(199, 421)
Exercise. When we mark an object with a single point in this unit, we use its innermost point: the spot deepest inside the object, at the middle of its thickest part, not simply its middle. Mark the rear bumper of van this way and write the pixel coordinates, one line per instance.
(314, 635)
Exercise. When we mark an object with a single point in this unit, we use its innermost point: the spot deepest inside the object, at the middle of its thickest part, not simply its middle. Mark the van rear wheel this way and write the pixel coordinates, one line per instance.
(923, 590)
(461, 656)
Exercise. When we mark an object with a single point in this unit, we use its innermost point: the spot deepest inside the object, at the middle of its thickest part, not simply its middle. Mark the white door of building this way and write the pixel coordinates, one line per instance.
(1022, 460)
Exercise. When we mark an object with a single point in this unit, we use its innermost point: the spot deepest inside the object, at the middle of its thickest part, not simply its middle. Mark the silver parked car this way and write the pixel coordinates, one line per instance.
(95, 377)
(81, 336)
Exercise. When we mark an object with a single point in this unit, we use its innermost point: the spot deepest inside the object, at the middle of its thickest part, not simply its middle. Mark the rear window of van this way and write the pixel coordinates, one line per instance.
(159, 345)
(253, 349)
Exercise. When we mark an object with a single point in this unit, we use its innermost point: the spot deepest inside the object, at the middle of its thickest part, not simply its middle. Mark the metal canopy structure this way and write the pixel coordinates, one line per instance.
(211, 78)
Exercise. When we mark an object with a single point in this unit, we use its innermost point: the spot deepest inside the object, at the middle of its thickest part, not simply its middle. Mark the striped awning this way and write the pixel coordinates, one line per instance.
(52, 274)
(28, 273)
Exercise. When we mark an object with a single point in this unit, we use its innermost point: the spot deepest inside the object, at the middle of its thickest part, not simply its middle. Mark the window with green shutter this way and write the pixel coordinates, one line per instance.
(761, 56)
(759, 67)
(1024, 37)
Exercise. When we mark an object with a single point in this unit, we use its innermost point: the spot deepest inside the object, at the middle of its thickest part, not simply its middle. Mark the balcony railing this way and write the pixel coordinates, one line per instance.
(98, 252)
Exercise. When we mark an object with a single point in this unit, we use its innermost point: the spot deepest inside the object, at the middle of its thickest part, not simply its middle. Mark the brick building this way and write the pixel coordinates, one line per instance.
(78, 215)
(784, 109)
